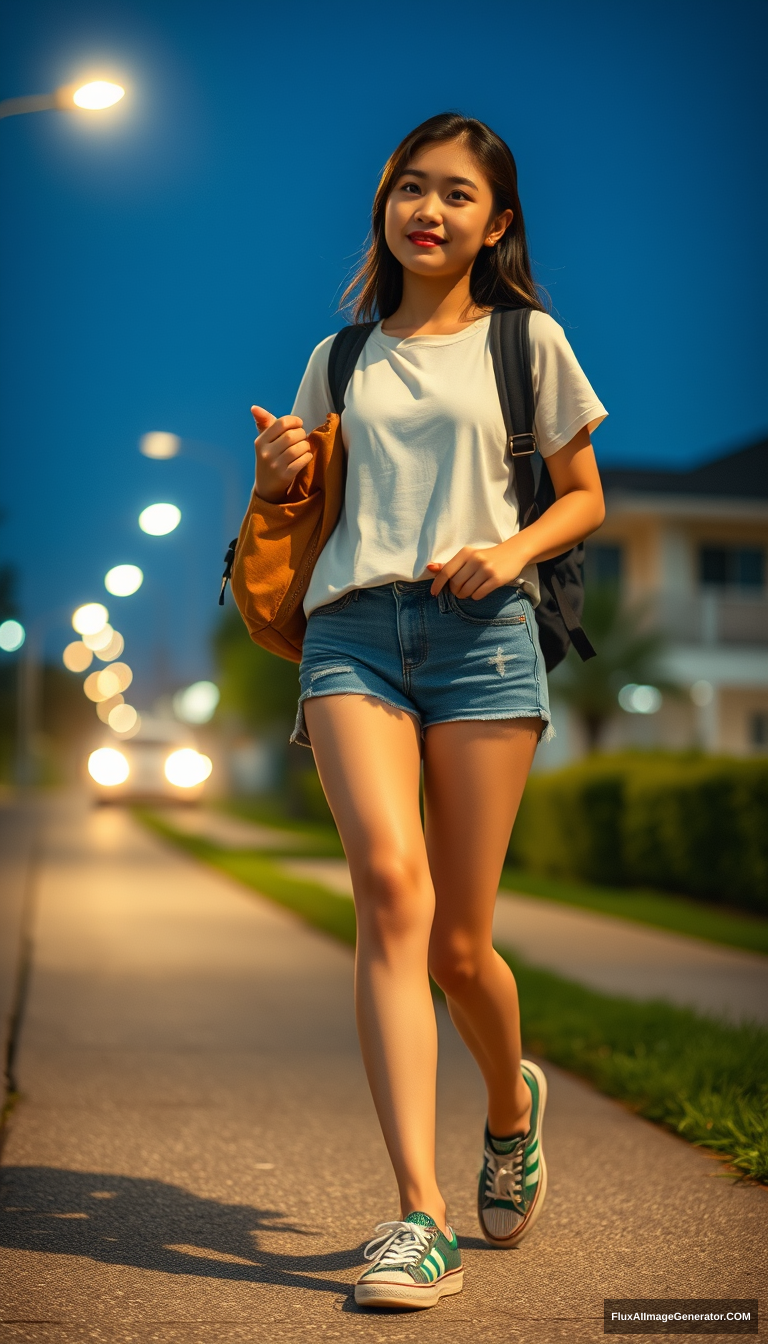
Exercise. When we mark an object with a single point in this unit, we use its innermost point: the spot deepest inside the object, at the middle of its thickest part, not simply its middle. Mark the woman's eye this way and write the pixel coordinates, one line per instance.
(459, 196)
(410, 187)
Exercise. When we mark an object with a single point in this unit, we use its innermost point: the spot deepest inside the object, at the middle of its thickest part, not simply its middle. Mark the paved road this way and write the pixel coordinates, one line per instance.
(196, 1158)
(612, 955)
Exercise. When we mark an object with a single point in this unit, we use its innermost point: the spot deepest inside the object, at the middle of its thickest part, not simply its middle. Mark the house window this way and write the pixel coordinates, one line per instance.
(603, 563)
(732, 566)
(758, 731)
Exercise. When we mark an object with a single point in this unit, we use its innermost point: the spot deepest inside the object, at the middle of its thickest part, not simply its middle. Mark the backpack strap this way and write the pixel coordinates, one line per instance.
(511, 352)
(345, 352)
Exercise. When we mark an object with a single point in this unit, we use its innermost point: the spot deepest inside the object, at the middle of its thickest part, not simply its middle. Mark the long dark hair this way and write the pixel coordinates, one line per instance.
(500, 274)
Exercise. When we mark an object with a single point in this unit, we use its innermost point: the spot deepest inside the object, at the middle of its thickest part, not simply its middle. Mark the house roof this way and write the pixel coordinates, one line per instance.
(741, 475)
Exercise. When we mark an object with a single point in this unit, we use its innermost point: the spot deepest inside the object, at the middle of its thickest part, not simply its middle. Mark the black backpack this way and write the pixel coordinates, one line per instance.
(558, 615)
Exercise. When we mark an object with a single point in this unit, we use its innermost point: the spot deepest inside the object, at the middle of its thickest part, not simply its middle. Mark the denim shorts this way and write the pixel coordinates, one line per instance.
(438, 658)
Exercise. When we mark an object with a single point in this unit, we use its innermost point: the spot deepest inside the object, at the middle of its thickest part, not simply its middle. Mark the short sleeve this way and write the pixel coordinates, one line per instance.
(564, 399)
(313, 399)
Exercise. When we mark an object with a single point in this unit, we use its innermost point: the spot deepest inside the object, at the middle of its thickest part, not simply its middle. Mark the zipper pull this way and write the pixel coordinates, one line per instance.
(229, 560)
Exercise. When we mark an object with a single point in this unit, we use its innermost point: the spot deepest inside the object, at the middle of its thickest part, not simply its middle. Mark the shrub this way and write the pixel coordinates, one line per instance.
(693, 824)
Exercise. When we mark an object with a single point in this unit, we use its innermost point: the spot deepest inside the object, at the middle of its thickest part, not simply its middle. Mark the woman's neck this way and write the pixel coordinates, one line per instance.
(432, 307)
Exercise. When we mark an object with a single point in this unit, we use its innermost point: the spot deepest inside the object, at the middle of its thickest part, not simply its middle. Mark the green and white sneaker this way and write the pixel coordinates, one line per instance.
(414, 1265)
(513, 1177)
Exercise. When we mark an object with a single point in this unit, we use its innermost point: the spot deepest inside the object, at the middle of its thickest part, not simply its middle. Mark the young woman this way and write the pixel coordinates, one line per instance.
(421, 655)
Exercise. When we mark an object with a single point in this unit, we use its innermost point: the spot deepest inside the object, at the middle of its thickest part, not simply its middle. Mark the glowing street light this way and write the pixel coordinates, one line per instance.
(97, 95)
(159, 519)
(90, 618)
(77, 657)
(12, 636)
(159, 444)
(94, 96)
(123, 580)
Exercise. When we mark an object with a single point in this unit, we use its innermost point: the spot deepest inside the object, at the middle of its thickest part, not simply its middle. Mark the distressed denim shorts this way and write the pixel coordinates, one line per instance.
(438, 658)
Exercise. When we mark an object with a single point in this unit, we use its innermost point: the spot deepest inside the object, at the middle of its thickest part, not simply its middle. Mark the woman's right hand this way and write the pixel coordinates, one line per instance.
(282, 451)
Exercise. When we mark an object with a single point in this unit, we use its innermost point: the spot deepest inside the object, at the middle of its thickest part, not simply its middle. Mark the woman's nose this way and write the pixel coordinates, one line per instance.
(429, 210)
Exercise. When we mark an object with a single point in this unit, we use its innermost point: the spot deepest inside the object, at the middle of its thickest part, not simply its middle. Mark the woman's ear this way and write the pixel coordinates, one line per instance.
(498, 228)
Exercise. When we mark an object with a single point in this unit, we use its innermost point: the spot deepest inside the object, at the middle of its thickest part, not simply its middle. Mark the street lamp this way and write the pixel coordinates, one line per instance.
(160, 445)
(94, 96)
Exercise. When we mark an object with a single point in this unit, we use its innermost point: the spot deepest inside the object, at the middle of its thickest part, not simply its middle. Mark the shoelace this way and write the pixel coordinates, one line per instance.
(398, 1243)
(504, 1173)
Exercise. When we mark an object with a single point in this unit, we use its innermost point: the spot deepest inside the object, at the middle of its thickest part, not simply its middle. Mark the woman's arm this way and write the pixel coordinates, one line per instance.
(577, 511)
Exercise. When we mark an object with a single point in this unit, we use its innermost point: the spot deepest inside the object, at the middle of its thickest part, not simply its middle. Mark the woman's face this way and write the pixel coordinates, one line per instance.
(440, 212)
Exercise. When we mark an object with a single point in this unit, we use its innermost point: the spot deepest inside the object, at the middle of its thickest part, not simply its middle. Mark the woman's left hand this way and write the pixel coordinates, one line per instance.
(577, 511)
(475, 572)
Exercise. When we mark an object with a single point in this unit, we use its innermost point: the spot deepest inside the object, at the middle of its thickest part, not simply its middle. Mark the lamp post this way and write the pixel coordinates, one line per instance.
(160, 446)
(94, 96)
(28, 694)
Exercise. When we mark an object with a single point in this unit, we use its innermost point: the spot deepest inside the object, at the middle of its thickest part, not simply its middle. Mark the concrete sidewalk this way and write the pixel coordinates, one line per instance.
(196, 1157)
(613, 955)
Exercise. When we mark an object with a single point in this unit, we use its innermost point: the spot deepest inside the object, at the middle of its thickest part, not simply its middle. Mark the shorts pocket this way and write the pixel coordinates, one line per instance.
(329, 608)
(504, 606)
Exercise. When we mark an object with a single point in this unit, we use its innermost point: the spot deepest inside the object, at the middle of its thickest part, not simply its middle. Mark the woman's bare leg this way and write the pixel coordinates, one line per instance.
(368, 758)
(474, 776)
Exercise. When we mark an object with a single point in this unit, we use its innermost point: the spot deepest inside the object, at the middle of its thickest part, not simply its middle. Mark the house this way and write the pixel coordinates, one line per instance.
(693, 546)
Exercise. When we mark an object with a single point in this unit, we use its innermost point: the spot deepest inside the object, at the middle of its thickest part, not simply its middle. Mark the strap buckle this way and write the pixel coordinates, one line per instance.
(528, 439)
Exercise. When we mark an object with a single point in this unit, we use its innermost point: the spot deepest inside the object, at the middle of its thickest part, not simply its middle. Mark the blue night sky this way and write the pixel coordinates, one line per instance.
(169, 262)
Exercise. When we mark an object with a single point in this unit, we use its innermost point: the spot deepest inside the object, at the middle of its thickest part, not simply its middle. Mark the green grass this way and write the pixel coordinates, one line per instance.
(321, 840)
(704, 1079)
(660, 910)
(680, 914)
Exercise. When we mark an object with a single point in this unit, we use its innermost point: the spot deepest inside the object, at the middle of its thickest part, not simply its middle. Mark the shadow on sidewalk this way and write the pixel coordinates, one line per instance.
(121, 1220)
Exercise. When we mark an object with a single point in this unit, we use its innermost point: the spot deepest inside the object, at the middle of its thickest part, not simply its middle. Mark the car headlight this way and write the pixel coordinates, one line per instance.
(186, 768)
(108, 767)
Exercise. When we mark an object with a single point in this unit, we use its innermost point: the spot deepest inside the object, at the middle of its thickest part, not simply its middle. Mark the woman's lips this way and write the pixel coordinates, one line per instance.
(426, 239)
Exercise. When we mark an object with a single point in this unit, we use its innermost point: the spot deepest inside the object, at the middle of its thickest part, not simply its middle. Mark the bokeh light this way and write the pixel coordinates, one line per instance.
(113, 679)
(89, 618)
(702, 694)
(108, 767)
(196, 703)
(110, 681)
(122, 580)
(159, 519)
(104, 707)
(98, 95)
(91, 688)
(187, 768)
(12, 636)
(113, 649)
(160, 445)
(640, 699)
(100, 639)
(123, 718)
(76, 657)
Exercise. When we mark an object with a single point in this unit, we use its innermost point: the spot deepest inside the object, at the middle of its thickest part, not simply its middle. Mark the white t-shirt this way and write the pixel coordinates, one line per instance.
(427, 465)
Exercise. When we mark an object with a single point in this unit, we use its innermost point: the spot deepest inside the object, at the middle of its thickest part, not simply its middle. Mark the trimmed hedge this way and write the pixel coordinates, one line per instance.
(693, 824)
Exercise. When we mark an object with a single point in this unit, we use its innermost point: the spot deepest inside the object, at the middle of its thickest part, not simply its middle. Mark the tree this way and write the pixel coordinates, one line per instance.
(257, 687)
(628, 650)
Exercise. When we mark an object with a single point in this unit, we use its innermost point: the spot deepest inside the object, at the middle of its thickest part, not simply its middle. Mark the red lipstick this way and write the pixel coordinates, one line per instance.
(421, 239)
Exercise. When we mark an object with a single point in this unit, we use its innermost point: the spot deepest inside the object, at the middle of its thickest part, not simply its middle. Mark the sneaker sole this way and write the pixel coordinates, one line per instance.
(414, 1299)
(541, 1193)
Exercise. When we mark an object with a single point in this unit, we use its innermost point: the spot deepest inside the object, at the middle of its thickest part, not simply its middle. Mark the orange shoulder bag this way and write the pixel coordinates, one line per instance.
(270, 565)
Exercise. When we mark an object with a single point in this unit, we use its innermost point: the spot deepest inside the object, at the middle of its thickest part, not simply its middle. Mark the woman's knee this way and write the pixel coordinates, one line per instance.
(393, 896)
(458, 963)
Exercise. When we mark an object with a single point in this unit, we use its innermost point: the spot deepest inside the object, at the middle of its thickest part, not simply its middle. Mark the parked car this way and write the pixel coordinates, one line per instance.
(160, 762)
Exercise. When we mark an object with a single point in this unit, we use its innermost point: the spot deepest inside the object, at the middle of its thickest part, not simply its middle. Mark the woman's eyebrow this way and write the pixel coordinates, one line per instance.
(460, 181)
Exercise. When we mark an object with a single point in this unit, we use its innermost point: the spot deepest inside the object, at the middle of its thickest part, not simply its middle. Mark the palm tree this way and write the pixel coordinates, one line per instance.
(628, 650)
